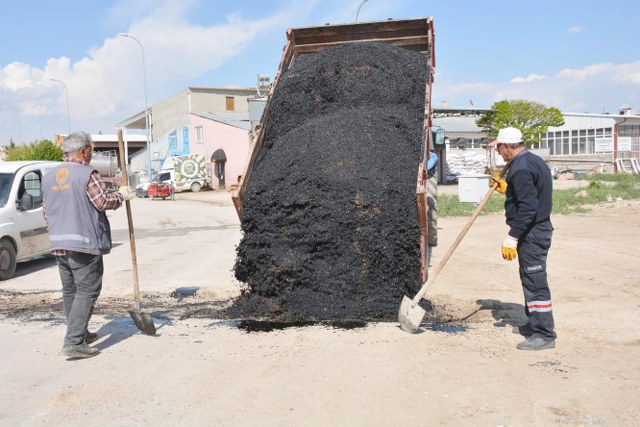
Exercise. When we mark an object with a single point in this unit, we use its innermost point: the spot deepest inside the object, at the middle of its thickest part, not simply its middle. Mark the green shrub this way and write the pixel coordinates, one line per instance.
(42, 150)
(601, 189)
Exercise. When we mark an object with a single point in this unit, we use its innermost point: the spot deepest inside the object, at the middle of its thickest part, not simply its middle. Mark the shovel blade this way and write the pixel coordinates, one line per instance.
(410, 315)
(143, 321)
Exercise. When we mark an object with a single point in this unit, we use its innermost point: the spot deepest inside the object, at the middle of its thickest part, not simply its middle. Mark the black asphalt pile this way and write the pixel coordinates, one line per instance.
(329, 219)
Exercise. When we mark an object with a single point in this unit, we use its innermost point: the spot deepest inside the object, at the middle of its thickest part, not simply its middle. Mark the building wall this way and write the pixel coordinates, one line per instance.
(212, 100)
(171, 117)
(215, 135)
(170, 114)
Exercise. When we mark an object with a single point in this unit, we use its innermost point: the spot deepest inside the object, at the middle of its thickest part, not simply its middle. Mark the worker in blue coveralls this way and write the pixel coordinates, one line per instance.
(432, 201)
(528, 187)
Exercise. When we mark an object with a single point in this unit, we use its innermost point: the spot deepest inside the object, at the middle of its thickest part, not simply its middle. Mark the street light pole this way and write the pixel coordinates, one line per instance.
(146, 99)
(39, 123)
(358, 12)
(6, 107)
(66, 91)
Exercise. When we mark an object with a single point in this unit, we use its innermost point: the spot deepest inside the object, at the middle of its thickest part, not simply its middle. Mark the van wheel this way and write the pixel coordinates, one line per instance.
(195, 187)
(7, 260)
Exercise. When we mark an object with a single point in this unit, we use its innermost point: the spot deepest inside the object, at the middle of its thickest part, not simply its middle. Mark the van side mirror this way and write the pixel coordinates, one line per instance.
(439, 136)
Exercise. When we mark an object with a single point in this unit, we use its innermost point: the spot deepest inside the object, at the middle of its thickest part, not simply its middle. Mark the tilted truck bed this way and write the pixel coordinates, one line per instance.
(413, 34)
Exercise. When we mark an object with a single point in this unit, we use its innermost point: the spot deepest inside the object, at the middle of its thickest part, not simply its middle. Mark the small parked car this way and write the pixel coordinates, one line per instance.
(23, 230)
(142, 190)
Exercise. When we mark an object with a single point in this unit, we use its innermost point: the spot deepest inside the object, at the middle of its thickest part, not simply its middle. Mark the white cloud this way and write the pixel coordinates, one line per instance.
(529, 78)
(592, 88)
(575, 29)
(584, 73)
(107, 85)
(624, 74)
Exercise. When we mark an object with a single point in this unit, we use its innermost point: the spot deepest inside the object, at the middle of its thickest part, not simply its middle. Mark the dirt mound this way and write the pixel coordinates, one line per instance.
(329, 218)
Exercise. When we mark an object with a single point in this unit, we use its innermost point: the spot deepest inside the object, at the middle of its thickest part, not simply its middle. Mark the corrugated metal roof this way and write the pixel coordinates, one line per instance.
(139, 118)
(458, 123)
(467, 124)
(243, 90)
(239, 120)
(574, 121)
(114, 137)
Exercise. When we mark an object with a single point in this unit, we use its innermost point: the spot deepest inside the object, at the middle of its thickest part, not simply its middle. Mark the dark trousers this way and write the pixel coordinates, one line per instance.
(532, 257)
(81, 276)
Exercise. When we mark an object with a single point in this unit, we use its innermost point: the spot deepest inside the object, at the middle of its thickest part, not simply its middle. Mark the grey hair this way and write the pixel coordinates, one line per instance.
(76, 141)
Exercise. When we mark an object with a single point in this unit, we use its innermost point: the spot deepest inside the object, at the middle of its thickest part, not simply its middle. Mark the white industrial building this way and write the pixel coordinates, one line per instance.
(603, 142)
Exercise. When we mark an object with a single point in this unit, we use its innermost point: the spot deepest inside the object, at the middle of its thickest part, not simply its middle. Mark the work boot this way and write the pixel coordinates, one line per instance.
(80, 351)
(90, 337)
(524, 330)
(536, 343)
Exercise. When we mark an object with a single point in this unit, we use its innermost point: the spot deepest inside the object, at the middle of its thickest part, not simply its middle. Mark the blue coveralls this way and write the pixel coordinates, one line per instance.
(528, 208)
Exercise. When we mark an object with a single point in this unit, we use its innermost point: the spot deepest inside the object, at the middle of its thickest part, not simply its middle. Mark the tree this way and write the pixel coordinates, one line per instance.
(530, 117)
(42, 150)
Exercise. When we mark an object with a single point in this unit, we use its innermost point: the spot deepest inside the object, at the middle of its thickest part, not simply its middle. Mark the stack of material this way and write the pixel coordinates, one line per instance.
(329, 218)
(465, 163)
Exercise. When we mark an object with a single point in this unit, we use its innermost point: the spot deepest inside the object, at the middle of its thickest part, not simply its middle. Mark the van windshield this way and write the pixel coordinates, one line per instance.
(5, 188)
(164, 176)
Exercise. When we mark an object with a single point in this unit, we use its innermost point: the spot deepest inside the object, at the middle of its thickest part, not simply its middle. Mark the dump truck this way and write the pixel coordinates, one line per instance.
(413, 34)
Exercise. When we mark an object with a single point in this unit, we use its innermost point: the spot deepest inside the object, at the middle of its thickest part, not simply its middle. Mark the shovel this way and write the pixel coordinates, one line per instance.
(143, 321)
(410, 314)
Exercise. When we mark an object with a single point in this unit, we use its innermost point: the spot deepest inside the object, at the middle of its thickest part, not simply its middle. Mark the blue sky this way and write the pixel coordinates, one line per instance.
(579, 56)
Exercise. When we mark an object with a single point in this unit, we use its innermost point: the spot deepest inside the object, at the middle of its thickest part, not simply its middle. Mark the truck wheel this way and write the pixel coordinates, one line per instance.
(432, 213)
(195, 187)
(7, 260)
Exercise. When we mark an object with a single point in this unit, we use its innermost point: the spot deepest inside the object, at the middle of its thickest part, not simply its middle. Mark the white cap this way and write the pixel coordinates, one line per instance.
(507, 136)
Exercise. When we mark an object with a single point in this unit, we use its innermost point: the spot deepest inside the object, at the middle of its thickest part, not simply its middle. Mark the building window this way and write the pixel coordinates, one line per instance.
(231, 103)
(199, 137)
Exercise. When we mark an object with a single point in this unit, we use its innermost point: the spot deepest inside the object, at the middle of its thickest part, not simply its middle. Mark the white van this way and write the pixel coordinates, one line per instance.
(23, 230)
(186, 173)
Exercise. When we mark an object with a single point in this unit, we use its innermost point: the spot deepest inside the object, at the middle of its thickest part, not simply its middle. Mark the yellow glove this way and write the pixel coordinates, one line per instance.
(509, 247)
(502, 184)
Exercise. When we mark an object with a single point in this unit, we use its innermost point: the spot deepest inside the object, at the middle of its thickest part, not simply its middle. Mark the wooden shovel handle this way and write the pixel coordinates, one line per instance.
(463, 232)
(132, 239)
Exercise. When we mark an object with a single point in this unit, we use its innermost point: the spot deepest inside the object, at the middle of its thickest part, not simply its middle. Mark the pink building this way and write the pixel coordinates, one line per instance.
(224, 140)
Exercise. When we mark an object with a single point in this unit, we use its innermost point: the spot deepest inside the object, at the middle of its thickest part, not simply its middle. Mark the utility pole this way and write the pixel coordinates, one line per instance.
(146, 100)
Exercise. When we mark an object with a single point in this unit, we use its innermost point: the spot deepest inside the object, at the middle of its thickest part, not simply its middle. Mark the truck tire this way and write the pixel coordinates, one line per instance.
(7, 259)
(432, 212)
(195, 187)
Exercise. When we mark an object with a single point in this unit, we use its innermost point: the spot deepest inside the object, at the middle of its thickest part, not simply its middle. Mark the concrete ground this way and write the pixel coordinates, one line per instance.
(464, 371)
